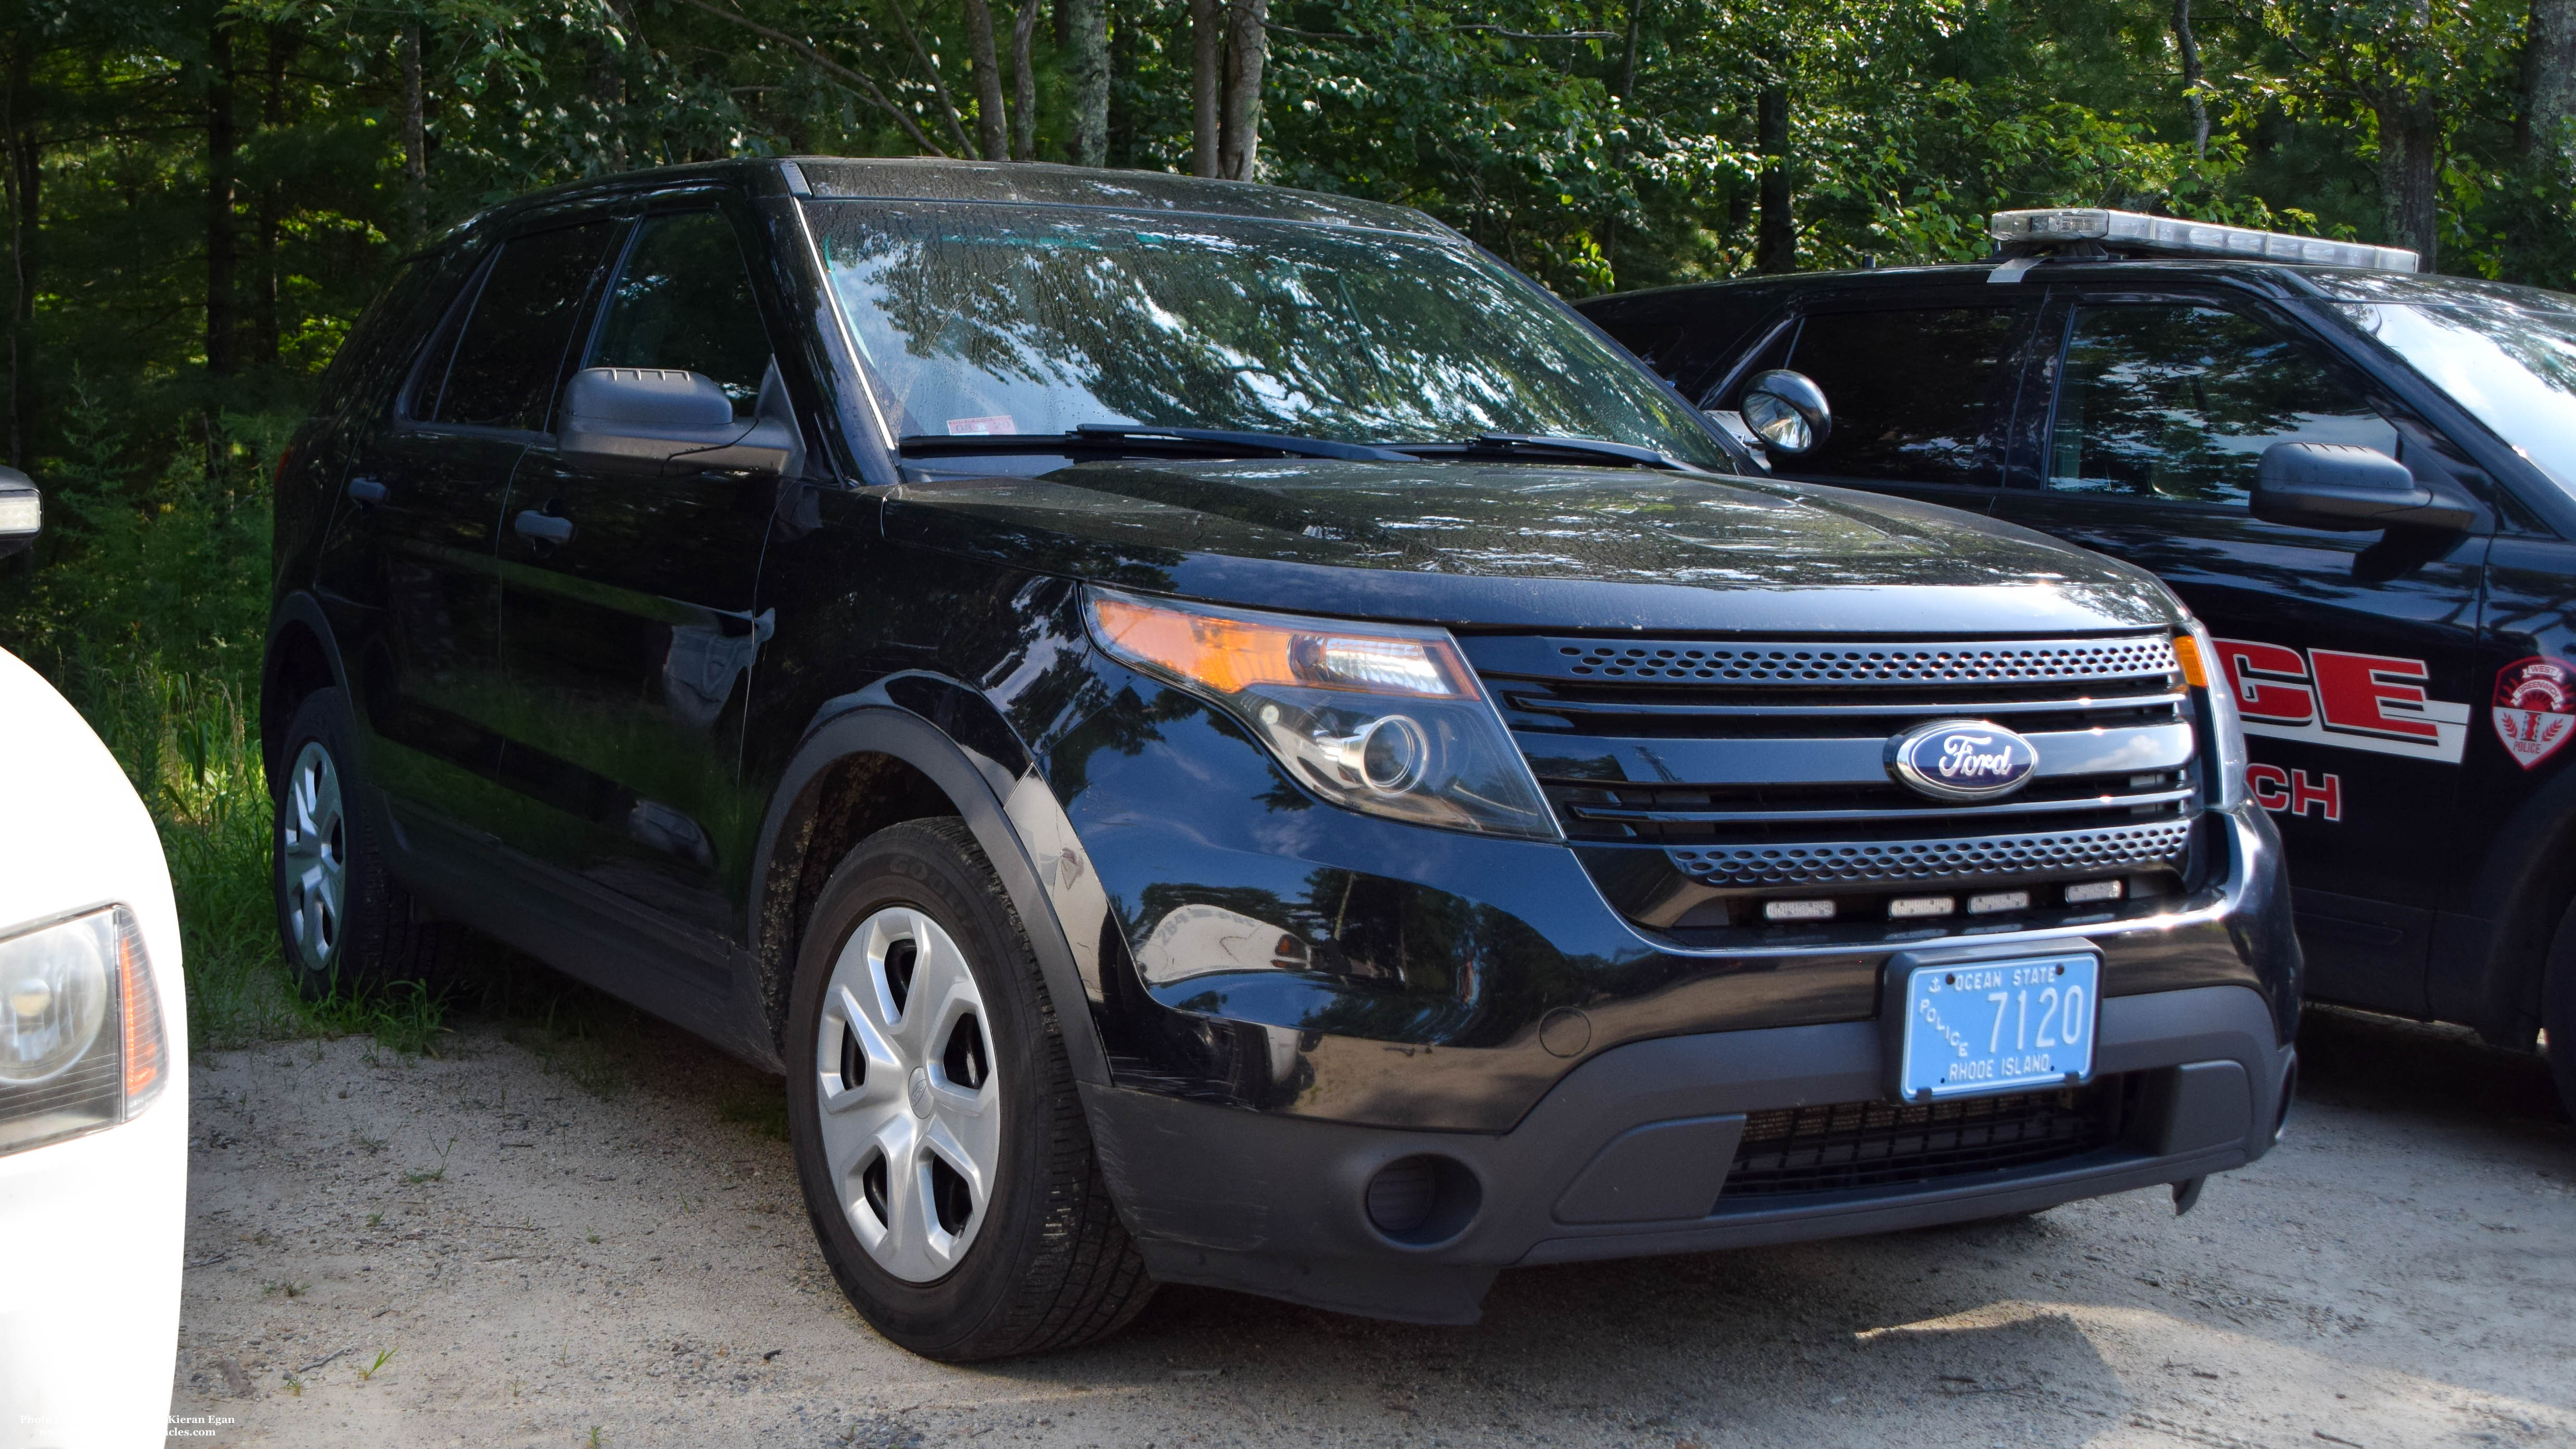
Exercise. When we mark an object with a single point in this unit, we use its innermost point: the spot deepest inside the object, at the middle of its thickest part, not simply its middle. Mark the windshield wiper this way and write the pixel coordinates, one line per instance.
(1532, 448)
(1147, 438)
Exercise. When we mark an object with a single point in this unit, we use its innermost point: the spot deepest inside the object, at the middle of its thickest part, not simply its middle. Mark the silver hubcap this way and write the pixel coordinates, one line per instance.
(313, 860)
(912, 1120)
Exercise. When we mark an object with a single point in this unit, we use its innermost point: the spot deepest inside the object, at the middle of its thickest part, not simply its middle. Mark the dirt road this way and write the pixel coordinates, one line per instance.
(528, 1241)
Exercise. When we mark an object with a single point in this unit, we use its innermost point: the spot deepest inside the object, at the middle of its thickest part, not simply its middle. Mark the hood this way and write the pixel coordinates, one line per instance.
(1514, 546)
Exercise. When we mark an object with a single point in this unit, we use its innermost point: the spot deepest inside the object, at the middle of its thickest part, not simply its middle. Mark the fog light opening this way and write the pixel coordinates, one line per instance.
(1423, 1200)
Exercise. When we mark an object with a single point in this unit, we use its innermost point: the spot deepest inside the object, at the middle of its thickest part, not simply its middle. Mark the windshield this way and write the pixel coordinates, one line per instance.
(2512, 366)
(983, 320)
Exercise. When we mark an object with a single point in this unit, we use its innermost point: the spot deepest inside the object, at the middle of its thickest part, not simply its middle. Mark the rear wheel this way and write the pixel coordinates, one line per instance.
(946, 1163)
(343, 921)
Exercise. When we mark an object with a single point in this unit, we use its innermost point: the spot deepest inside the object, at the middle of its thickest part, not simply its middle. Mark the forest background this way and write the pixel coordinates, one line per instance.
(197, 197)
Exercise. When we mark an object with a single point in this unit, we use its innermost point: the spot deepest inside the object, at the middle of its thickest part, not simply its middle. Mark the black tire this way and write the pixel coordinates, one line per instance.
(1050, 1265)
(376, 938)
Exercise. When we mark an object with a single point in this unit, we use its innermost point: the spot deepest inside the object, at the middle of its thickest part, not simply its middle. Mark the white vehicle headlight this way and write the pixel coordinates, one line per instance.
(2207, 675)
(1380, 718)
(81, 1040)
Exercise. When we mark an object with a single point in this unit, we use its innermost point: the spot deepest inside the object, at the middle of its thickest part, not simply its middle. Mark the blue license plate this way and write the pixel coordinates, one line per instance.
(1999, 1026)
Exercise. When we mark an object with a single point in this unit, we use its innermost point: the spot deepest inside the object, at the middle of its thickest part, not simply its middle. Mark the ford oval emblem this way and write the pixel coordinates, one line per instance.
(1962, 759)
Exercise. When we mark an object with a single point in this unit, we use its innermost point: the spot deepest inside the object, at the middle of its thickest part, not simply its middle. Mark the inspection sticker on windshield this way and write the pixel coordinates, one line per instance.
(998, 425)
(1999, 1026)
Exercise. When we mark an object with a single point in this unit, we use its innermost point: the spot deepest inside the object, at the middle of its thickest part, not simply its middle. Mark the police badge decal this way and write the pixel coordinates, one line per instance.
(2531, 707)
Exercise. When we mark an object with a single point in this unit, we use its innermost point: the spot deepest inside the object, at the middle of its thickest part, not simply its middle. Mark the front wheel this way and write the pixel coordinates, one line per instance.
(946, 1164)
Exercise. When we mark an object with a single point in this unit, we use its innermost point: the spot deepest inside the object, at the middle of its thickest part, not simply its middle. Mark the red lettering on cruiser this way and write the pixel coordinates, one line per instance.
(2257, 697)
(2325, 792)
(2270, 786)
(2357, 690)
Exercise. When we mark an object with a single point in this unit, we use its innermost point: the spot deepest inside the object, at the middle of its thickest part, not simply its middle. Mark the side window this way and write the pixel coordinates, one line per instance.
(2177, 402)
(510, 350)
(684, 301)
(1912, 391)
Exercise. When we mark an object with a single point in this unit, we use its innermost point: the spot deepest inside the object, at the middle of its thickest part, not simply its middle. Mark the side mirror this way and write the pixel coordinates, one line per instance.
(1788, 411)
(664, 420)
(2347, 489)
(22, 511)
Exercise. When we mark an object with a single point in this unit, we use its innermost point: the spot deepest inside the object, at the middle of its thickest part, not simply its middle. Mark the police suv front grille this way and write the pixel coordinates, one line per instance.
(1863, 663)
(1882, 1144)
(1754, 768)
(2092, 852)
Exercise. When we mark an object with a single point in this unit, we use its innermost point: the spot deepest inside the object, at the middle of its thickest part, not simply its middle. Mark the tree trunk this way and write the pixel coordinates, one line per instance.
(1628, 59)
(1247, 48)
(1024, 84)
(221, 144)
(265, 332)
(2409, 142)
(992, 119)
(1207, 84)
(2548, 84)
(24, 180)
(2192, 100)
(1775, 241)
(1086, 24)
(415, 140)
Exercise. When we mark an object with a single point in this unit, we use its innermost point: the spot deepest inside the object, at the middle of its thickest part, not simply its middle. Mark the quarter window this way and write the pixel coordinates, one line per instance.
(684, 301)
(1912, 391)
(2176, 402)
(511, 350)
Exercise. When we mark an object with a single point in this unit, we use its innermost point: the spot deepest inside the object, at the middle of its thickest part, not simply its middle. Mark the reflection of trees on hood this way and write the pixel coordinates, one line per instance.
(1351, 334)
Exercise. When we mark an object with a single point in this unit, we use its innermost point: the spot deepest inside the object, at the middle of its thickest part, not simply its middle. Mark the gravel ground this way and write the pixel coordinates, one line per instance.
(597, 1239)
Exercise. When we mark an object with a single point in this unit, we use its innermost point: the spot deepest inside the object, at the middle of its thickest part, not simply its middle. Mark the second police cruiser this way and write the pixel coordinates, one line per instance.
(2363, 480)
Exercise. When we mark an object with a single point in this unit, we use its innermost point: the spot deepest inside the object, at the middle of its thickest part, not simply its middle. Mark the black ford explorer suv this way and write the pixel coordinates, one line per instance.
(1218, 735)
(2364, 481)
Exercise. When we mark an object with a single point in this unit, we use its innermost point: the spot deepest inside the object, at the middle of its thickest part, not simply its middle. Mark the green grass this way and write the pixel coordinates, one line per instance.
(192, 752)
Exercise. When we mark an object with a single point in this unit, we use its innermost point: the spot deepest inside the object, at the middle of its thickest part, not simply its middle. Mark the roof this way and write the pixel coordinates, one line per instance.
(1022, 183)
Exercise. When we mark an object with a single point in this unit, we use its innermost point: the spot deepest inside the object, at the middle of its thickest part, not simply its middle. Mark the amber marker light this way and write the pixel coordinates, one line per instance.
(2195, 670)
(146, 1046)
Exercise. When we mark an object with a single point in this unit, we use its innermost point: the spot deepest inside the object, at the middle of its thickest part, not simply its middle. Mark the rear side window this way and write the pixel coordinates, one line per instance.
(510, 351)
(2175, 402)
(1913, 392)
(684, 301)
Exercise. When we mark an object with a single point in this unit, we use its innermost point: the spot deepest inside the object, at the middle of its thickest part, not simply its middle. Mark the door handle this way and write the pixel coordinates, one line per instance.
(366, 491)
(543, 527)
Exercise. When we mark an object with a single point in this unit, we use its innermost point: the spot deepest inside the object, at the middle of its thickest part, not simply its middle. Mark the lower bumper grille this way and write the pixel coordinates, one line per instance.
(1879, 1144)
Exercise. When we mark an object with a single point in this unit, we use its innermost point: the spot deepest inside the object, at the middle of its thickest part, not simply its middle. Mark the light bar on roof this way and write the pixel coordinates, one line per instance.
(2191, 238)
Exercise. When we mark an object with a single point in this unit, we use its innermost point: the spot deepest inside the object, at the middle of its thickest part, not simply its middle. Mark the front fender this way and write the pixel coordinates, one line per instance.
(1004, 801)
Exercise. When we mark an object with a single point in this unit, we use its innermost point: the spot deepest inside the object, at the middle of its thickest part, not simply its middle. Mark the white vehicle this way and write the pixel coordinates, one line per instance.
(93, 1087)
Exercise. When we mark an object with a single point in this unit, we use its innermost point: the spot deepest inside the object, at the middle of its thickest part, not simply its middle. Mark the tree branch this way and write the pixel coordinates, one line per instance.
(947, 107)
(867, 88)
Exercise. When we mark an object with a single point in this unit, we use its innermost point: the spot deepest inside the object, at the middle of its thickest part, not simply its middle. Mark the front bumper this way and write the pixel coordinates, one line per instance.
(89, 1309)
(1629, 1154)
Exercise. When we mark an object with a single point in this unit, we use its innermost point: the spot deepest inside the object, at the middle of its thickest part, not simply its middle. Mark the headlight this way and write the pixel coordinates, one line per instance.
(1374, 717)
(2202, 670)
(81, 1042)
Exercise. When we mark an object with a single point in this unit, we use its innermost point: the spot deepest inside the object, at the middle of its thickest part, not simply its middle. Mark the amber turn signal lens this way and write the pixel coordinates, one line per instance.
(1230, 655)
(2195, 670)
(146, 1046)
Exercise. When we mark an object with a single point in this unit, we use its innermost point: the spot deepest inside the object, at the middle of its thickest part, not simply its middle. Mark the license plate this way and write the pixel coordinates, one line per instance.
(1999, 1026)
